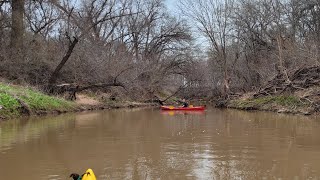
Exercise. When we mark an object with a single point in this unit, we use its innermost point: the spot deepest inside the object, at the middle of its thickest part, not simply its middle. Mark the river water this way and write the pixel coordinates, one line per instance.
(150, 144)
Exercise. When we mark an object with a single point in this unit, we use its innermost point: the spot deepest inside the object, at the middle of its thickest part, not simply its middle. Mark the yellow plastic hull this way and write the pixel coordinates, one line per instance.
(89, 175)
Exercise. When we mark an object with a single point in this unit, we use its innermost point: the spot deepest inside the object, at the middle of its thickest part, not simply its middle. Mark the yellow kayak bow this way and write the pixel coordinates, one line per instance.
(89, 175)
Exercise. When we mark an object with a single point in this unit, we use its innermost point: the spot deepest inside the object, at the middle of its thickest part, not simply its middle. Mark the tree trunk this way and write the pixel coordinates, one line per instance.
(281, 63)
(226, 79)
(17, 25)
(54, 75)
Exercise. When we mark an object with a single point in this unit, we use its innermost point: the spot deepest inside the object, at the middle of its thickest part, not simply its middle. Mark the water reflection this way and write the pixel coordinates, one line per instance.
(147, 144)
(172, 113)
(19, 131)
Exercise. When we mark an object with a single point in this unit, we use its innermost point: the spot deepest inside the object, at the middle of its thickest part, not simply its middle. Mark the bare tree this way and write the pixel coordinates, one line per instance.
(4, 22)
(41, 17)
(212, 19)
(310, 27)
(95, 16)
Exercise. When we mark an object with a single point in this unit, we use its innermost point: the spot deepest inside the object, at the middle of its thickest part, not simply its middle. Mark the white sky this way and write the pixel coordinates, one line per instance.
(171, 4)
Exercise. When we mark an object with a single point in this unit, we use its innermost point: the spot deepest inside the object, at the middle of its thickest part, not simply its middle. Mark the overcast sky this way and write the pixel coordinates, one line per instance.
(171, 4)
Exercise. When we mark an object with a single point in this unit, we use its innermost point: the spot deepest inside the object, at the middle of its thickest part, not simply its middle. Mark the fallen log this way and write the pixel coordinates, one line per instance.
(72, 89)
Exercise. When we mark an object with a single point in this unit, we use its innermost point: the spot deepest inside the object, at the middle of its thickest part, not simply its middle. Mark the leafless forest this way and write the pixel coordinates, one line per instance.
(138, 48)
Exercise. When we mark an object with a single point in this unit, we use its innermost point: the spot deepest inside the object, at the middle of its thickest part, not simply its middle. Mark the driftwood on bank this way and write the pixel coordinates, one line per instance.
(72, 89)
(300, 79)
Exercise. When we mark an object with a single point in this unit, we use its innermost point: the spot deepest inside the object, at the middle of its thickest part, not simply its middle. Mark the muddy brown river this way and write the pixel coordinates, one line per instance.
(148, 144)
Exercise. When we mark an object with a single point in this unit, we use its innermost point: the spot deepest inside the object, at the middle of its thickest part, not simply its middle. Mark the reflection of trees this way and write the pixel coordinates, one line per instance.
(23, 130)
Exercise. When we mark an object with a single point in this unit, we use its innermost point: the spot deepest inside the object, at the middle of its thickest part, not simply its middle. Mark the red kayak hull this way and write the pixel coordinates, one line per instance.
(177, 112)
(171, 108)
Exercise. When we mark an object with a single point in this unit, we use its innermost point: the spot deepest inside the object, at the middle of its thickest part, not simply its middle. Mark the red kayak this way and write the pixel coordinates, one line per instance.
(190, 108)
(177, 112)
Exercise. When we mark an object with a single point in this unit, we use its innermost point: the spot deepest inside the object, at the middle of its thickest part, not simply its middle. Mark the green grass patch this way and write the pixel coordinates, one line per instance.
(39, 101)
(10, 106)
(287, 101)
(36, 101)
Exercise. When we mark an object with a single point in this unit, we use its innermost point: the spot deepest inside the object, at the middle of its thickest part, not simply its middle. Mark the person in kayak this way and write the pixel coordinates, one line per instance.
(75, 176)
(184, 103)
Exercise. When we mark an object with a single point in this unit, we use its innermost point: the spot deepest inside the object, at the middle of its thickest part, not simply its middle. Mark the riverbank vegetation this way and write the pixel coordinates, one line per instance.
(280, 104)
(297, 92)
(136, 50)
(16, 101)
